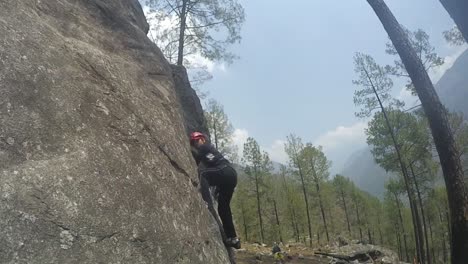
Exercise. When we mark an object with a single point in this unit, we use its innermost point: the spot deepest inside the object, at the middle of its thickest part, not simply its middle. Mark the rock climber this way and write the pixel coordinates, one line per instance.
(215, 170)
(275, 249)
(277, 253)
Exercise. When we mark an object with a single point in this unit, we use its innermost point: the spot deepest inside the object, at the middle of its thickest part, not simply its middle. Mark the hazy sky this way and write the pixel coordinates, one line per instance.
(296, 66)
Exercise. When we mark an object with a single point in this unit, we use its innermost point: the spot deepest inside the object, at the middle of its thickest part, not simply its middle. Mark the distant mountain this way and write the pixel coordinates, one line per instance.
(453, 86)
(453, 92)
(365, 173)
(276, 166)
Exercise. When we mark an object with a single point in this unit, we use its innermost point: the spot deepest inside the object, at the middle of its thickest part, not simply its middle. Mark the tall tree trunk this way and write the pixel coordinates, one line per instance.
(318, 236)
(441, 131)
(380, 230)
(330, 218)
(295, 225)
(400, 250)
(244, 223)
(444, 247)
(322, 209)
(278, 221)
(259, 209)
(306, 203)
(402, 226)
(302, 232)
(432, 239)
(423, 215)
(183, 25)
(291, 209)
(404, 171)
(346, 212)
(369, 236)
(449, 227)
(297, 230)
(417, 229)
(358, 217)
(367, 224)
(215, 133)
(458, 10)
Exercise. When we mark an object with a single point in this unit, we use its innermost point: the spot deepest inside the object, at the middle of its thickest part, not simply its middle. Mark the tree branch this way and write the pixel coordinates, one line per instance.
(213, 24)
(399, 75)
(174, 9)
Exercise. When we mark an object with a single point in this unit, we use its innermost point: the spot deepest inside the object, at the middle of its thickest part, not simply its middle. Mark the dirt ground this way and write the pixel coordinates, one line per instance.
(255, 254)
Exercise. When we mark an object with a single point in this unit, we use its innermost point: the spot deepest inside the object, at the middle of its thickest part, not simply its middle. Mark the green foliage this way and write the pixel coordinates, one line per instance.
(395, 187)
(341, 183)
(256, 161)
(411, 133)
(220, 128)
(343, 188)
(454, 36)
(211, 27)
(252, 153)
(419, 39)
(460, 131)
(375, 86)
(315, 169)
(370, 219)
(257, 168)
(244, 211)
(316, 164)
(293, 147)
(401, 142)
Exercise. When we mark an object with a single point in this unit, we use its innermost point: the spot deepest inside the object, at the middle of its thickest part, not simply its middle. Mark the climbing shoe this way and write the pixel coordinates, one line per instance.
(233, 242)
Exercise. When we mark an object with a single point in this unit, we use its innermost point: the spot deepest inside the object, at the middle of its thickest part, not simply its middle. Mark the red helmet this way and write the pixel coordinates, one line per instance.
(196, 136)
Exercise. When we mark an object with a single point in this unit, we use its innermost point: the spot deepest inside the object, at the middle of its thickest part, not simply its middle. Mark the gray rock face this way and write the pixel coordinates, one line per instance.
(95, 165)
(190, 103)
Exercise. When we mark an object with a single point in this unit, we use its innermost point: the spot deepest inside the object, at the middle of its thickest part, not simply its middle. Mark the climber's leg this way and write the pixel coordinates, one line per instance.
(226, 190)
(224, 211)
(225, 179)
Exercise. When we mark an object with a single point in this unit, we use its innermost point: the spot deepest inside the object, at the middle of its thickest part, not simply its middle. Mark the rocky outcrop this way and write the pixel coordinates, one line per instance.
(360, 253)
(192, 110)
(94, 161)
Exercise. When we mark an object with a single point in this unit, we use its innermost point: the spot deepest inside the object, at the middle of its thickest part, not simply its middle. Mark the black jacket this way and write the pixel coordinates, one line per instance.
(208, 156)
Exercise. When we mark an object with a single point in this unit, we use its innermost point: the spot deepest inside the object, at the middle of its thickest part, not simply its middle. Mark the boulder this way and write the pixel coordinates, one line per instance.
(95, 165)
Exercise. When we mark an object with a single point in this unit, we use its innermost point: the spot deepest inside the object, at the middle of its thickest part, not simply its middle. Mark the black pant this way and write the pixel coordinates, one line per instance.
(225, 179)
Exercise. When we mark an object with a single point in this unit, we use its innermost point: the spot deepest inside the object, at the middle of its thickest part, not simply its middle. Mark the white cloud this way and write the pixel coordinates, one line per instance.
(436, 74)
(198, 61)
(277, 152)
(342, 135)
(239, 137)
(338, 144)
(407, 97)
